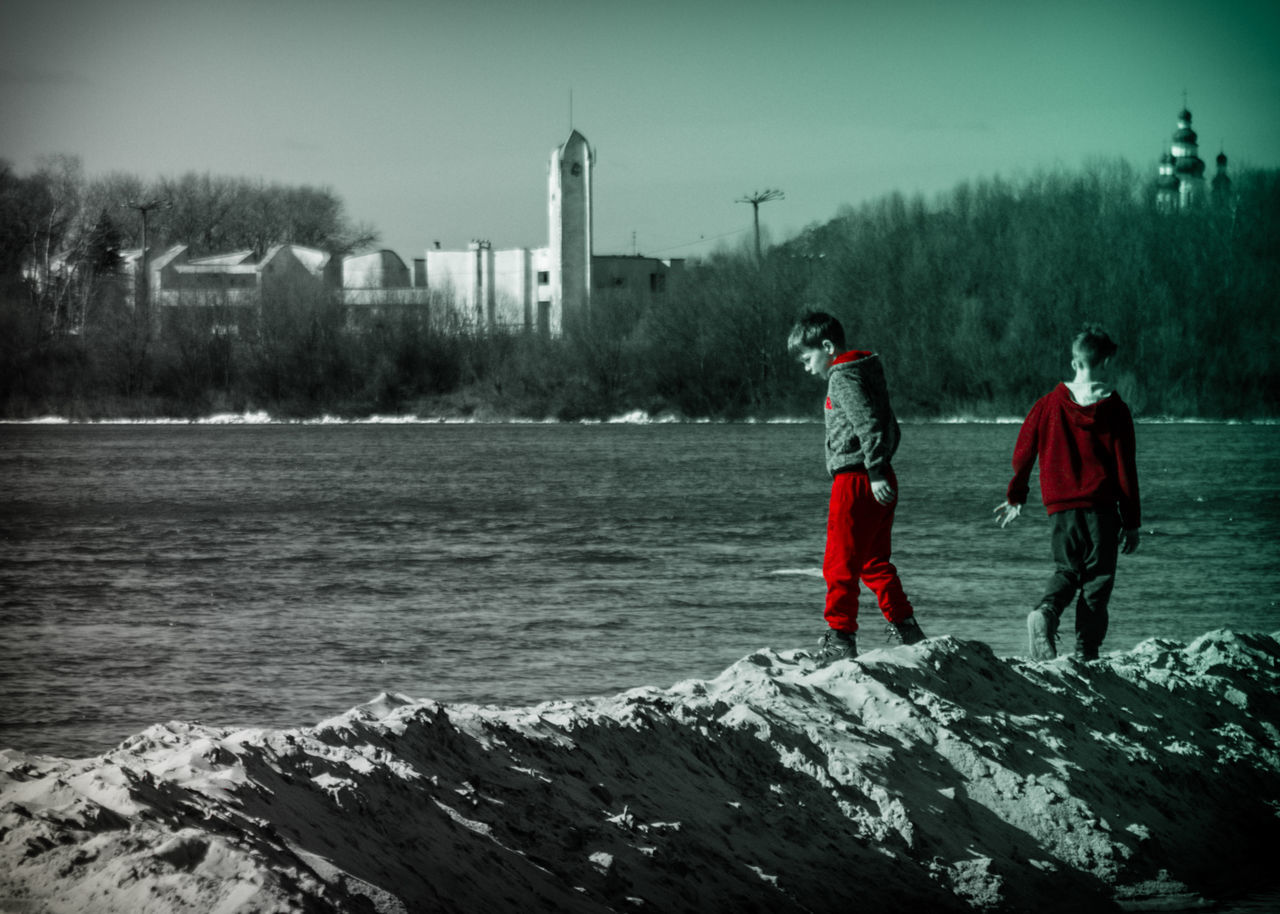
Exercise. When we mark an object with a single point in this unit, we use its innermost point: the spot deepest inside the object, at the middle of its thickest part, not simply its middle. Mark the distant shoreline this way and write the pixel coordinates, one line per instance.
(634, 418)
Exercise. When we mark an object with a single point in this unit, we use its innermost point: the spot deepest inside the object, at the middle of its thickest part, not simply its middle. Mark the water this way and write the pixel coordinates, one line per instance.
(277, 575)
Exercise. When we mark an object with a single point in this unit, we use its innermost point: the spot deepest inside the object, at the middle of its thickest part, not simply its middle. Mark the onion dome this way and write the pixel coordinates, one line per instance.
(1221, 181)
(1184, 135)
(1191, 166)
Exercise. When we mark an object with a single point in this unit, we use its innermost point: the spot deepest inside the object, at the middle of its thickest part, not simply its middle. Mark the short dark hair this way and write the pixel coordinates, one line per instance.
(812, 328)
(1093, 345)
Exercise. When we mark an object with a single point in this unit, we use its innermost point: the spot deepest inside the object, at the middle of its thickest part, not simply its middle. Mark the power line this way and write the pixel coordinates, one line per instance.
(701, 240)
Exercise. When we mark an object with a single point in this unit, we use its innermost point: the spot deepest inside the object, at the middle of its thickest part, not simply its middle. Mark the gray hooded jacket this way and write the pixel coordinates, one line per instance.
(861, 428)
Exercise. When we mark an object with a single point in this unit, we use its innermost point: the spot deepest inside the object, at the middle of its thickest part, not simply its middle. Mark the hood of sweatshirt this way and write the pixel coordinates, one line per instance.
(1085, 403)
(853, 355)
(1087, 393)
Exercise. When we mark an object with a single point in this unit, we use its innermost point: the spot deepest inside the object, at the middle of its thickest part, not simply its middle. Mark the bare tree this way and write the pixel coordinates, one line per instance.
(53, 245)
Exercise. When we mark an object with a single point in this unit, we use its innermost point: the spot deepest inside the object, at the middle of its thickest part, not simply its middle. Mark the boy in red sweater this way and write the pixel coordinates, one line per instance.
(1082, 433)
(862, 435)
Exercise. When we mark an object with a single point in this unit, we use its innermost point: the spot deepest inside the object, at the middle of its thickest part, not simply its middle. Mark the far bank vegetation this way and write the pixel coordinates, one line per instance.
(970, 297)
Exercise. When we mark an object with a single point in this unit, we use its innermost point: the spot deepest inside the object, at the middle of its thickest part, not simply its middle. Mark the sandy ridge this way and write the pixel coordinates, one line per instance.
(937, 777)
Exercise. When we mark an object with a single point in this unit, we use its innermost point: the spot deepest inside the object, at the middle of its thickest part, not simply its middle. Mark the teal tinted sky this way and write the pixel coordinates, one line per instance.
(434, 120)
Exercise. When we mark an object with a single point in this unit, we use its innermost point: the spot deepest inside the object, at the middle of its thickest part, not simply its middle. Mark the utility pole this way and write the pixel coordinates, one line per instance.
(760, 196)
(484, 291)
(143, 290)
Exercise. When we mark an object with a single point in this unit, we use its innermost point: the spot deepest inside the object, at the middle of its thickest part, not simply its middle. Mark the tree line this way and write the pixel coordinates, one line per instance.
(971, 298)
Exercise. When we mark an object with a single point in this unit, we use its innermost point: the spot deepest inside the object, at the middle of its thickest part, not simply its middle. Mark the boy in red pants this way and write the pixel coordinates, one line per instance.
(861, 438)
(1082, 434)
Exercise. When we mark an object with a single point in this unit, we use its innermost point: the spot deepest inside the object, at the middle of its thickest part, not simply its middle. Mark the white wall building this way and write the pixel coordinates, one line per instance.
(535, 288)
(379, 278)
(531, 289)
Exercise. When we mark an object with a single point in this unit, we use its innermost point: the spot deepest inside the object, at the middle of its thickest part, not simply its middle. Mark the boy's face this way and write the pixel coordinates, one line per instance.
(817, 359)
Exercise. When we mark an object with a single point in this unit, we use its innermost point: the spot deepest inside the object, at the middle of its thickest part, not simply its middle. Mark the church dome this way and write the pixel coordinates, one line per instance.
(1192, 166)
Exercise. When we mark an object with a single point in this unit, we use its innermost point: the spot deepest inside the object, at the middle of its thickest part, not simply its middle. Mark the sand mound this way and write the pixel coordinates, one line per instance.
(936, 777)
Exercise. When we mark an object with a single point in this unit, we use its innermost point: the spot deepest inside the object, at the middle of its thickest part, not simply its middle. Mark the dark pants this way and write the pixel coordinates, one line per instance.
(1085, 545)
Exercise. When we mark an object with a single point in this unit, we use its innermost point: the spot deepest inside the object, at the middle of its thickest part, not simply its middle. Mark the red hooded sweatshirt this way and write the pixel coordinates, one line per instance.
(1086, 456)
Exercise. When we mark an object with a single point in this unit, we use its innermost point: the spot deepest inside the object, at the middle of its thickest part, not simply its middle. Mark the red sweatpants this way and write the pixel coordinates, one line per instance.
(859, 542)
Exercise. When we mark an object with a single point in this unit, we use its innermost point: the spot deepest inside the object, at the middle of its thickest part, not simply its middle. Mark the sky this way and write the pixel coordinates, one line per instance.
(434, 121)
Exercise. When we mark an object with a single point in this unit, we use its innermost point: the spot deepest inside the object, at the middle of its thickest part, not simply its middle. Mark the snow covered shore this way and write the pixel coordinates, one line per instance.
(937, 777)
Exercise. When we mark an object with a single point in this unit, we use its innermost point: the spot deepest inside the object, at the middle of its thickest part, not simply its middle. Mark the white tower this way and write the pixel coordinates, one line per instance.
(569, 211)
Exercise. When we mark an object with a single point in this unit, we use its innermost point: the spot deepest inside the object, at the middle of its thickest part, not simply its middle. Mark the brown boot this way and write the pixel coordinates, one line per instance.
(907, 631)
(836, 645)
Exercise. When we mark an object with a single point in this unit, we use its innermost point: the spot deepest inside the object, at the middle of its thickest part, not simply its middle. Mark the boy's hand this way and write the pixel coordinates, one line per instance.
(1007, 514)
(883, 492)
(1129, 540)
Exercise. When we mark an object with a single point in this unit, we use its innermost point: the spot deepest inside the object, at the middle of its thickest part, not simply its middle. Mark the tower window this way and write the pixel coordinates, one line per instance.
(544, 277)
